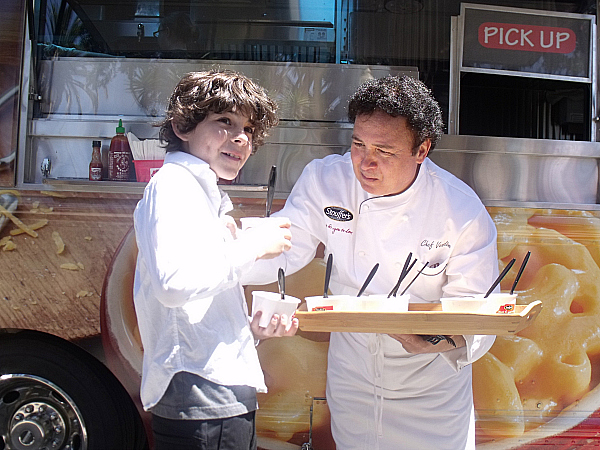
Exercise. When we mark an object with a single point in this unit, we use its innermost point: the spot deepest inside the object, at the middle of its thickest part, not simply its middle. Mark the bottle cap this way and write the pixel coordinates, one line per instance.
(96, 143)
(120, 128)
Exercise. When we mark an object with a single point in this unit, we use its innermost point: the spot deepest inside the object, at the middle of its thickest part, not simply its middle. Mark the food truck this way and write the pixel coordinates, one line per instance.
(517, 82)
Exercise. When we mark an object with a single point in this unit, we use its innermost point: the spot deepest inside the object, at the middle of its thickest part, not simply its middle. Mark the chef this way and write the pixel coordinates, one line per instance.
(377, 204)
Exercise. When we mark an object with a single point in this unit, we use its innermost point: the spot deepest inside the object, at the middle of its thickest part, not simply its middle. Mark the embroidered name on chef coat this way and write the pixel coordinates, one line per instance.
(437, 265)
(338, 214)
(435, 244)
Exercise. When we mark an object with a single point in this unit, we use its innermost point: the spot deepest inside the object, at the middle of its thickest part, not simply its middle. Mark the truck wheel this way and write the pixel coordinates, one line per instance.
(54, 395)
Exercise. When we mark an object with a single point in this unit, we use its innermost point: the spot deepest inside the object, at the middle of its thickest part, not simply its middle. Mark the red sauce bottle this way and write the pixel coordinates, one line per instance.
(96, 162)
(120, 158)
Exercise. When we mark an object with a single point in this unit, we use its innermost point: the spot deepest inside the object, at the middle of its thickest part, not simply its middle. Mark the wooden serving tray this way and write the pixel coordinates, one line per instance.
(421, 318)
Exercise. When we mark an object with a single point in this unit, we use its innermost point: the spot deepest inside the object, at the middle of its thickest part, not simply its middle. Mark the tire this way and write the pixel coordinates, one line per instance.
(54, 395)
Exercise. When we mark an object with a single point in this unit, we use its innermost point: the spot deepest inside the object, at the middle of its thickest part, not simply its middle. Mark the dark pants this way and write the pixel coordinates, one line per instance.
(232, 433)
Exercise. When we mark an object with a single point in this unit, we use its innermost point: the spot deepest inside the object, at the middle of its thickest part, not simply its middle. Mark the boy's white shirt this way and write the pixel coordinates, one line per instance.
(191, 308)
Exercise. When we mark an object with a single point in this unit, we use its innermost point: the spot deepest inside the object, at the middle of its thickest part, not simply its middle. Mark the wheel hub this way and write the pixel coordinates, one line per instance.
(35, 414)
(37, 426)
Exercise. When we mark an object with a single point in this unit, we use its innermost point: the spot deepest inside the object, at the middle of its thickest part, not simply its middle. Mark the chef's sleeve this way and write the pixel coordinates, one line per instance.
(302, 209)
(472, 268)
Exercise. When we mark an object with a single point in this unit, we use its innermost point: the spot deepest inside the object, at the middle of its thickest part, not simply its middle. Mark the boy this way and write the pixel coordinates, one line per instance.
(201, 370)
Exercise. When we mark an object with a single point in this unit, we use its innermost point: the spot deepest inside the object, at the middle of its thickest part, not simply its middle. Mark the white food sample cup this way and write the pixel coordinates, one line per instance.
(494, 303)
(462, 304)
(501, 303)
(348, 303)
(381, 303)
(331, 303)
(271, 303)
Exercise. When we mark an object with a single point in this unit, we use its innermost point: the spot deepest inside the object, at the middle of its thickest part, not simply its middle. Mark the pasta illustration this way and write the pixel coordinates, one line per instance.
(528, 379)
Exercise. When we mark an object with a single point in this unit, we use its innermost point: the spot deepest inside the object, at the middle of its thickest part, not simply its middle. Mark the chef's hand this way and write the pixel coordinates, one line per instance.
(278, 326)
(414, 343)
(270, 238)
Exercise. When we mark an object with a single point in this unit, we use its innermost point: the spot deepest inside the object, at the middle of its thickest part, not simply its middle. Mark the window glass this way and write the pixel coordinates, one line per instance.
(12, 16)
(268, 30)
(408, 33)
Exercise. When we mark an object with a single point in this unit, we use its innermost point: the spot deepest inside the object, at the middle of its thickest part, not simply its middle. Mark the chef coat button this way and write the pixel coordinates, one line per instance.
(404, 218)
(398, 264)
(361, 253)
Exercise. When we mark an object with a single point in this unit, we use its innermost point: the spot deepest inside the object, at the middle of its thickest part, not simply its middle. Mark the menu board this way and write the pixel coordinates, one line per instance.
(523, 42)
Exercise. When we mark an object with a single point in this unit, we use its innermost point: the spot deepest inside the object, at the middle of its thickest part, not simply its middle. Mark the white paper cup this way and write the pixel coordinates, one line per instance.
(494, 303)
(251, 222)
(381, 303)
(271, 303)
(331, 303)
(350, 303)
(501, 303)
(462, 304)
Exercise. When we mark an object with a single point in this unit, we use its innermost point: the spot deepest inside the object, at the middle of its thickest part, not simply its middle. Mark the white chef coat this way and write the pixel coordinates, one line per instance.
(190, 305)
(379, 395)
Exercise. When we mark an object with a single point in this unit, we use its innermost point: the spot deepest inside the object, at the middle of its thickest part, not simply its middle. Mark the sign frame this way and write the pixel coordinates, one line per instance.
(467, 66)
(457, 66)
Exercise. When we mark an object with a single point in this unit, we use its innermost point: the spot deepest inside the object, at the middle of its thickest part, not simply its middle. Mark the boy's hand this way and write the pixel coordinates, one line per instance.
(229, 222)
(278, 326)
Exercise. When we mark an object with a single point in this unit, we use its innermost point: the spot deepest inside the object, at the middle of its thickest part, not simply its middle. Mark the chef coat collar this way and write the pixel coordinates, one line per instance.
(389, 201)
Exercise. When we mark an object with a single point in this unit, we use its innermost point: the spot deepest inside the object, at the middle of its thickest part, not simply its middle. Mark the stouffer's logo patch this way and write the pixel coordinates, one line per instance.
(337, 213)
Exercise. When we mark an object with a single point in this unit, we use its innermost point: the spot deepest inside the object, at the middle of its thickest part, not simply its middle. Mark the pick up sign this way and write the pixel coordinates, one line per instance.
(529, 38)
(525, 41)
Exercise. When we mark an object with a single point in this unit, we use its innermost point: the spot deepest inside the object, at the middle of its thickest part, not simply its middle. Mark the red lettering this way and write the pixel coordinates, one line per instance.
(529, 38)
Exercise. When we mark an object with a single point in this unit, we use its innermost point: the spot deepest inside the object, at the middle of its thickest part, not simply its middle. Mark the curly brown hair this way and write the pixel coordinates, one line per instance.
(199, 93)
(401, 96)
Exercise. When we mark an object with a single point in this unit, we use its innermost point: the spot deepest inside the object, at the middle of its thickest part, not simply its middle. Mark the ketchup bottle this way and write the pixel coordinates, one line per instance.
(120, 158)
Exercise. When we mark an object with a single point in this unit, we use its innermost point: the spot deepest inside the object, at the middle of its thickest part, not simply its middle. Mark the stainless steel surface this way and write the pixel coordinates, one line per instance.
(85, 97)
(505, 171)
(140, 88)
(290, 147)
(128, 187)
(65, 140)
(46, 167)
(80, 108)
(43, 417)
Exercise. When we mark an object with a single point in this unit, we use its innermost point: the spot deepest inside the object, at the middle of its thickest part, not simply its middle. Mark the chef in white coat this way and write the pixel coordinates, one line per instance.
(376, 204)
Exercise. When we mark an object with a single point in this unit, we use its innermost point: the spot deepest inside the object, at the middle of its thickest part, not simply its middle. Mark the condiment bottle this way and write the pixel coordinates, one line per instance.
(96, 162)
(120, 158)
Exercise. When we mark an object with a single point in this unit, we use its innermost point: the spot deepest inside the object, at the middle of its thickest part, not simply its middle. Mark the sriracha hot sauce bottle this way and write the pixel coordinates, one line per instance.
(119, 156)
(96, 162)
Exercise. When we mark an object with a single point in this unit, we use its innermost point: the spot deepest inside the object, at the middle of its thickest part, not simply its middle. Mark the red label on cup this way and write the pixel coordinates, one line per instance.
(323, 308)
(506, 309)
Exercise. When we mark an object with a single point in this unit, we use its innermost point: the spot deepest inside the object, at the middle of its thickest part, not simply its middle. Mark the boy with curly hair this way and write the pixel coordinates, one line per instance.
(201, 370)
